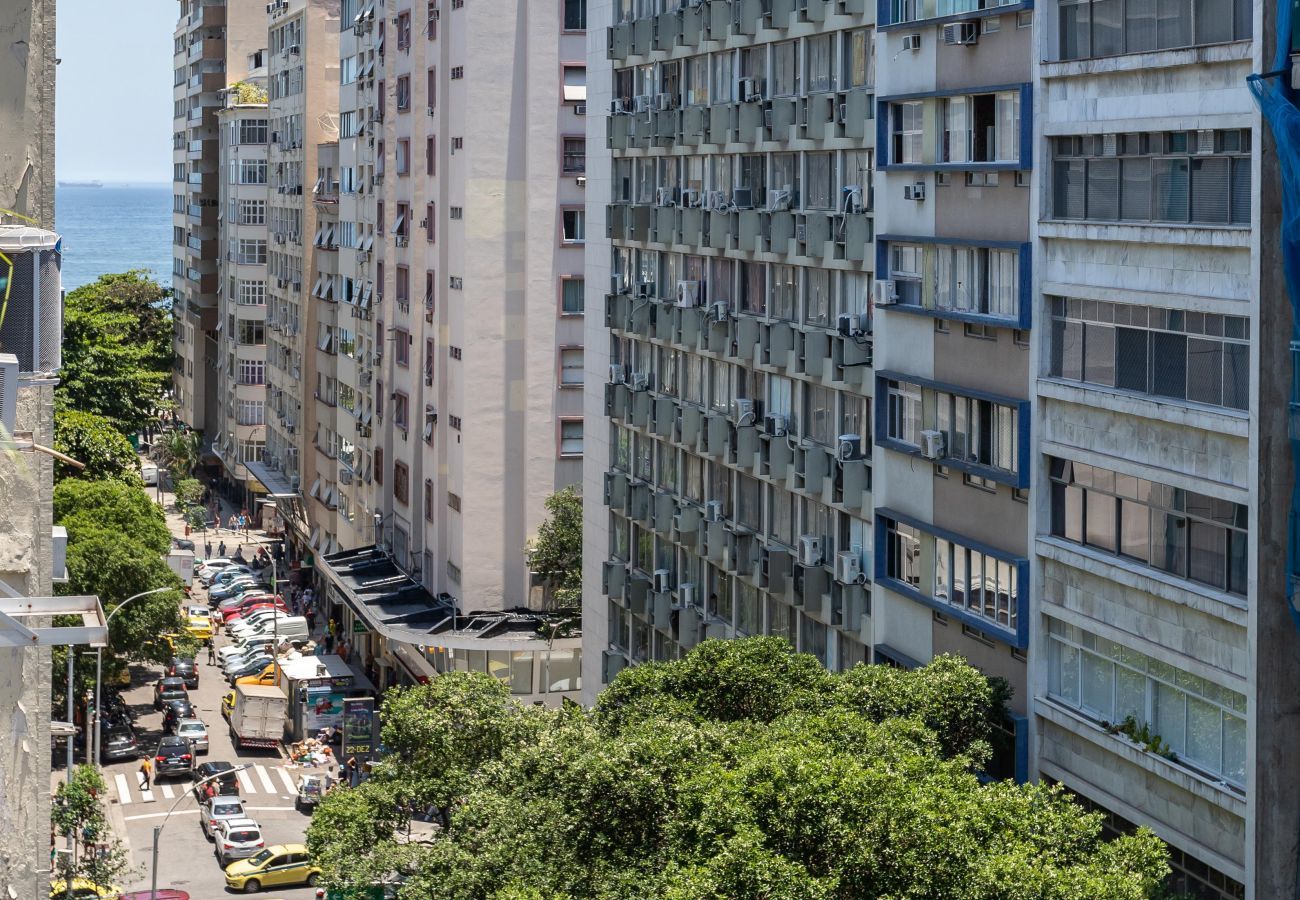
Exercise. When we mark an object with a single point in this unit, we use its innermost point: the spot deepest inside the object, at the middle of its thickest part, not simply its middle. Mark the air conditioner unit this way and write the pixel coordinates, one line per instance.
(911, 42)
(401, 240)
(663, 102)
(688, 294)
(8, 393)
(662, 581)
(641, 103)
(615, 373)
(914, 191)
(778, 200)
(690, 198)
(719, 312)
(345, 477)
(742, 411)
(686, 595)
(850, 447)
(579, 109)
(429, 110)
(886, 292)
(645, 289)
(801, 232)
(742, 198)
(640, 382)
(749, 92)
(851, 324)
(961, 33)
(664, 197)
(810, 550)
(852, 198)
(774, 424)
(716, 200)
(1205, 141)
(713, 511)
(424, 223)
(932, 444)
(848, 567)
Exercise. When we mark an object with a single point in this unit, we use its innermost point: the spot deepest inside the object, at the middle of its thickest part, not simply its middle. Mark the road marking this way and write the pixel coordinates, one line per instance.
(285, 777)
(190, 812)
(146, 796)
(123, 789)
(168, 792)
(265, 779)
(245, 782)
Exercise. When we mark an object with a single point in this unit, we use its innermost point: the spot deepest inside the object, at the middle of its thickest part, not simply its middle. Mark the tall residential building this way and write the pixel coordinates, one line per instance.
(243, 237)
(216, 44)
(1076, 472)
(448, 389)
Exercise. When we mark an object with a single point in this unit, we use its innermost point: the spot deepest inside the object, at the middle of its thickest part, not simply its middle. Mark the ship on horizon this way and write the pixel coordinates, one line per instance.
(88, 184)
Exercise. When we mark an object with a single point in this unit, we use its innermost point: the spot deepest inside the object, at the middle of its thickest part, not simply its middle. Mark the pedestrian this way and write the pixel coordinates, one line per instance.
(221, 547)
(310, 615)
(233, 523)
(212, 652)
(351, 769)
(329, 643)
(146, 773)
(207, 549)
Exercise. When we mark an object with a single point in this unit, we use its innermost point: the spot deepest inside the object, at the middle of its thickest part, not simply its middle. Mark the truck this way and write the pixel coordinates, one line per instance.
(258, 717)
(182, 563)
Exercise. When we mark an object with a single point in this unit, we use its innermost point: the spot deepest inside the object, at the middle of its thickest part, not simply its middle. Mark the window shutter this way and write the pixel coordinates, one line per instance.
(1210, 179)
(1171, 190)
(1240, 211)
(1135, 193)
(1103, 187)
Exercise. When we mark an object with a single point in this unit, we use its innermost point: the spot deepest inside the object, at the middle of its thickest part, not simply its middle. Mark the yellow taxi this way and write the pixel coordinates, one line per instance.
(228, 704)
(199, 627)
(276, 866)
(267, 676)
(82, 889)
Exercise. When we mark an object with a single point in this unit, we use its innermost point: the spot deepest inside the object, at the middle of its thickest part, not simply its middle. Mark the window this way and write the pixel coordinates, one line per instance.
(403, 156)
(402, 224)
(575, 156)
(428, 500)
(1183, 355)
(575, 15)
(430, 156)
(575, 84)
(404, 31)
(1198, 177)
(250, 252)
(251, 332)
(251, 412)
(820, 183)
(571, 367)
(251, 171)
(572, 296)
(904, 413)
(252, 371)
(252, 293)
(1191, 536)
(402, 347)
(819, 51)
(252, 131)
(402, 286)
(570, 437)
(453, 502)
(574, 226)
(1115, 27)
(908, 120)
(457, 73)
(379, 465)
(401, 482)
(252, 212)
(785, 69)
(1203, 724)
(404, 92)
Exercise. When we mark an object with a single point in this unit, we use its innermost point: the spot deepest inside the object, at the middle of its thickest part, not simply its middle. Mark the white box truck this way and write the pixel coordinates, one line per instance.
(258, 717)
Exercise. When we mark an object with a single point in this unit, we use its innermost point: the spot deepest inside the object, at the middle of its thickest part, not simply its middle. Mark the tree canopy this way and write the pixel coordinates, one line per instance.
(94, 441)
(744, 770)
(117, 356)
(121, 508)
(557, 551)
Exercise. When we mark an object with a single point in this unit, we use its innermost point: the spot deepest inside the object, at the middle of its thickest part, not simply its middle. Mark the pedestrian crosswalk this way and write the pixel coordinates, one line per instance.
(257, 780)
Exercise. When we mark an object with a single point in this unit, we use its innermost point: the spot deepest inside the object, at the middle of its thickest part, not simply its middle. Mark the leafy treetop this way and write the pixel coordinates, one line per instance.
(556, 553)
(94, 441)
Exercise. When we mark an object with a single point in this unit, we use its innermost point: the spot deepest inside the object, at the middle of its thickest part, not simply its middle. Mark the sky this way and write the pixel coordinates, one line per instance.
(113, 110)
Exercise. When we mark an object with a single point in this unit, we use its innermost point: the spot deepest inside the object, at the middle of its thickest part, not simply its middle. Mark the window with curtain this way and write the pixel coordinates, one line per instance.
(821, 181)
(820, 53)
(785, 69)
(1096, 28)
(572, 300)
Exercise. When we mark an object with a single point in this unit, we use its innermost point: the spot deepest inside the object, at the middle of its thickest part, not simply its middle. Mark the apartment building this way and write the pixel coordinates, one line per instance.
(216, 44)
(1075, 342)
(453, 374)
(241, 329)
(735, 261)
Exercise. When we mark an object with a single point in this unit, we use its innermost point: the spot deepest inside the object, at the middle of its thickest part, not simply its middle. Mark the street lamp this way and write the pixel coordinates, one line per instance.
(99, 665)
(157, 829)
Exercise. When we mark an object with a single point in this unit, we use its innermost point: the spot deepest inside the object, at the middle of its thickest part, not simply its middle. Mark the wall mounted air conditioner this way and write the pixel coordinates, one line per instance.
(749, 92)
(961, 33)
(719, 312)
(662, 581)
(688, 294)
(778, 200)
(849, 447)
(810, 550)
(914, 191)
(774, 424)
(886, 292)
(851, 195)
(616, 375)
(664, 197)
(848, 566)
(932, 444)
(742, 198)
(851, 324)
(911, 42)
(742, 412)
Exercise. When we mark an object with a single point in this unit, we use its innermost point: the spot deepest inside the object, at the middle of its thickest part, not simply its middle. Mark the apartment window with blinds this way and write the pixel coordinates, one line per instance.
(858, 70)
(785, 69)
(252, 371)
(570, 437)
(1192, 536)
(574, 161)
(1203, 724)
(820, 183)
(571, 366)
(1094, 28)
(907, 121)
(572, 296)
(1179, 354)
(251, 171)
(820, 54)
(1196, 177)
(980, 280)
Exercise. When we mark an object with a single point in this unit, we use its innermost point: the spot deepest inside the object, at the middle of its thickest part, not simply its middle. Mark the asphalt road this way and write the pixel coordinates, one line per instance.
(185, 856)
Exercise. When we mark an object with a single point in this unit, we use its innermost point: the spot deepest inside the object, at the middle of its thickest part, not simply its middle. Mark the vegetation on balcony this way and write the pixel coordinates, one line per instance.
(247, 92)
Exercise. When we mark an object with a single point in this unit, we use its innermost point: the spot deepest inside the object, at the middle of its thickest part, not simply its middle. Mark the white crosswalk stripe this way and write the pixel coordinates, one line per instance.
(167, 791)
(245, 783)
(265, 779)
(146, 796)
(289, 786)
(123, 789)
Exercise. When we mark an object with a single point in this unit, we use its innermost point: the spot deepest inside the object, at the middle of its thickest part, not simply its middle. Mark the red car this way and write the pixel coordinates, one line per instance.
(236, 613)
(257, 607)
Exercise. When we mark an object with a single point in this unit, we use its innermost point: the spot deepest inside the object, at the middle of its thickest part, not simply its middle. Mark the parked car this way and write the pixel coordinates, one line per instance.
(236, 587)
(249, 596)
(246, 654)
(199, 627)
(183, 668)
(82, 889)
(175, 756)
(282, 864)
(226, 785)
(211, 571)
(268, 675)
(248, 607)
(254, 666)
(197, 609)
(160, 894)
(117, 744)
(237, 839)
(174, 712)
(195, 731)
(213, 812)
(166, 689)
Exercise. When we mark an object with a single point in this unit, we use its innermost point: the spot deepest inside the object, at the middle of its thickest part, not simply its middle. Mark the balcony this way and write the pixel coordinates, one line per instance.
(201, 216)
(201, 149)
(211, 14)
(202, 283)
(210, 48)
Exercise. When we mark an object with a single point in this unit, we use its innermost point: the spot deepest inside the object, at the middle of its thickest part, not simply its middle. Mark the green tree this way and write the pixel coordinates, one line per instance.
(94, 441)
(556, 553)
(117, 356)
(742, 770)
(78, 813)
(189, 492)
(180, 454)
(111, 505)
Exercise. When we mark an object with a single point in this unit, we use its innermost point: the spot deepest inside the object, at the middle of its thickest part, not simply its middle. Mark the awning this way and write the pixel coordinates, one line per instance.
(277, 483)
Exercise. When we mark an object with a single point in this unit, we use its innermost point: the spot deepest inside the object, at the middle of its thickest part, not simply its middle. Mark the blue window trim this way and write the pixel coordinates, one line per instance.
(883, 7)
(1021, 724)
(1025, 163)
(1025, 274)
(1019, 479)
(1019, 638)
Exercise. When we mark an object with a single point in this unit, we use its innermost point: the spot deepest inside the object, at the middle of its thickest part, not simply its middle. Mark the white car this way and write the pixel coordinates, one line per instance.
(195, 732)
(218, 809)
(237, 839)
(149, 473)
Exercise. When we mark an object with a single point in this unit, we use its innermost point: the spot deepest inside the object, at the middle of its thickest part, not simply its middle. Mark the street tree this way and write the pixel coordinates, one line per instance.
(188, 492)
(180, 454)
(117, 356)
(743, 770)
(95, 442)
(556, 553)
(111, 505)
(78, 813)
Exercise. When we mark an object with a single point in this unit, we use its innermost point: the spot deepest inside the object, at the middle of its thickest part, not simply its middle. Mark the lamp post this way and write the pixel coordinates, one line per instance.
(157, 829)
(99, 663)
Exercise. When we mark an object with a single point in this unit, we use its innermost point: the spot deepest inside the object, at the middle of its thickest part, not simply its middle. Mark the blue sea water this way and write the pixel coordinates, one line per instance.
(114, 228)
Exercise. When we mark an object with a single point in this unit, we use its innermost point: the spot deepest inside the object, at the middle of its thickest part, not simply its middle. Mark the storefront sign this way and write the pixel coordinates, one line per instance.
(339, 681)
(324, 706)
(359, 627)
(358, 727)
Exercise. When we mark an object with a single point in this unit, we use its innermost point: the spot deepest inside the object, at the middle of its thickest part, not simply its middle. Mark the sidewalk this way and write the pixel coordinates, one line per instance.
(233, 539)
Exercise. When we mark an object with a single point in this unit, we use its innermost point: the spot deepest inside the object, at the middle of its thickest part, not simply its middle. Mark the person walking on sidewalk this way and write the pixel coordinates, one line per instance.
(212, 652)
(233, 523)
(221, 548)
(146, 773)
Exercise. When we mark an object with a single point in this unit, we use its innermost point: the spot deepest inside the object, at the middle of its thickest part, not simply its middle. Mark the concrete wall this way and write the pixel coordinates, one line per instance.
(27, 108)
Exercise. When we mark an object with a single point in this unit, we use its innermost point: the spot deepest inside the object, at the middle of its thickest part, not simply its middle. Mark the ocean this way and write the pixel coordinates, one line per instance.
(114, 228)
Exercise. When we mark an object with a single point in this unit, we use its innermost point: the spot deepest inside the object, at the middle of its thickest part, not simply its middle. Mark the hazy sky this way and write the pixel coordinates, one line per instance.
(114, 103)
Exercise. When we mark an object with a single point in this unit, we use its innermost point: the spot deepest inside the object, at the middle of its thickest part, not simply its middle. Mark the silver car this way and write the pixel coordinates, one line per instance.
(237, 839)
(194, 731)
(217, 810)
